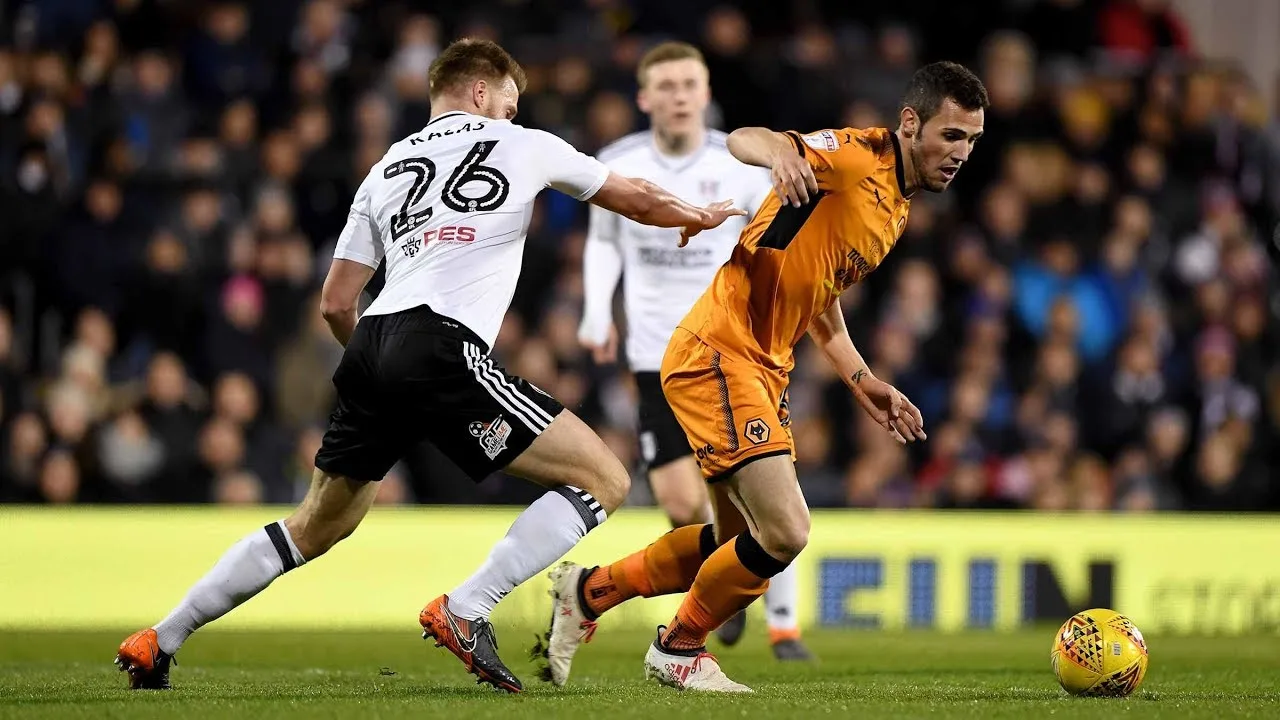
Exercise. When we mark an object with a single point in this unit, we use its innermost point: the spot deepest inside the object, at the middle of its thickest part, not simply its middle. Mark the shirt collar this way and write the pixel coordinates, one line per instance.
(898, 163)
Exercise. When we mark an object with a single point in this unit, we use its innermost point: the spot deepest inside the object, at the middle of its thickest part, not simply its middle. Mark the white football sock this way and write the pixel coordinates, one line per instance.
(543, 533)
(780, 600)
(242, 572)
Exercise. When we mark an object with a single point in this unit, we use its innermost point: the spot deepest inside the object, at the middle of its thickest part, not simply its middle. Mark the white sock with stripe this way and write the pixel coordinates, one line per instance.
(243, 571)
(780, 601)
(543, 533)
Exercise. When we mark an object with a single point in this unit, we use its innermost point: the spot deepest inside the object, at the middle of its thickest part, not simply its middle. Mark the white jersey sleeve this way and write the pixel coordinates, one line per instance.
(571, 172)
(360, 241)
(602, 261)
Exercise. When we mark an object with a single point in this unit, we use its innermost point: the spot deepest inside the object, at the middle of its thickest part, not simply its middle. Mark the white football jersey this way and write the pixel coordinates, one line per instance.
(662, 280)
(448, 208)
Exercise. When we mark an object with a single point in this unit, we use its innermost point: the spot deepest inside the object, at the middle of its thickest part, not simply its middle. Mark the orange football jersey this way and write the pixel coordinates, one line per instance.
(792, 263)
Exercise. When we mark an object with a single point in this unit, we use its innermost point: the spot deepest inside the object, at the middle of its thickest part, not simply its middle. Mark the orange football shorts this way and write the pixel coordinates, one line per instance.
(733, 411)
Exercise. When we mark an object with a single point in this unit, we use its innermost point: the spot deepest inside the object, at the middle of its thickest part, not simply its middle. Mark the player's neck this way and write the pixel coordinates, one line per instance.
(678, 144)
(906, 162)
(445, 105)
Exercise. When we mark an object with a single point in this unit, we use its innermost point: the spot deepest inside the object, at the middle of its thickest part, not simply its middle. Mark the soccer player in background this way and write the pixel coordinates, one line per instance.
(840, 203)
(446, 209)
(662, 282)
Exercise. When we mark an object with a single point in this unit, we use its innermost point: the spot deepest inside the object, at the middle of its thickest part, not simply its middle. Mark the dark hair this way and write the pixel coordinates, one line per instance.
(938, 81)
(468, 60)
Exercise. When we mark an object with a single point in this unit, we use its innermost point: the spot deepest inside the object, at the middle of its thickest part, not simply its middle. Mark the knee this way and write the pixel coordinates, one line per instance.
(615, 485)
(785, 539)
(608, 482)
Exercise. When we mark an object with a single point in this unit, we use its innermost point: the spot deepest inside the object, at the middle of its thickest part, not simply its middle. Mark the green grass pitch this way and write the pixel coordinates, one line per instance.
(391, 675)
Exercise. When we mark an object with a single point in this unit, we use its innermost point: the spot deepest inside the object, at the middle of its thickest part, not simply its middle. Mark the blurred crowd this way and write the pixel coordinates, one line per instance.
(1087, 320)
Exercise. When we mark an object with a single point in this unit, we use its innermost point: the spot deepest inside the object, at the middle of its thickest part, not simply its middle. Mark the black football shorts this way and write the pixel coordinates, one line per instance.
(416, 375)
(662, 440)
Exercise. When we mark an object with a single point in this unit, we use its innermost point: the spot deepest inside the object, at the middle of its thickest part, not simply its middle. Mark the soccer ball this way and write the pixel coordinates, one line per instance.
(1099, 653)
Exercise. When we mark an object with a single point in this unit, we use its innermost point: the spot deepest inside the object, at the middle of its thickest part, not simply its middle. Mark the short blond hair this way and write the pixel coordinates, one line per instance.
(468, 60)
(667, 52)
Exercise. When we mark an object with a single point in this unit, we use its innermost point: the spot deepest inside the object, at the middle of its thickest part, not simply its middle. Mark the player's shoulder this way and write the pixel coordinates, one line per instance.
(529, 141)
(625, 146)
(842, 139)
(506, 128)
(875, 143)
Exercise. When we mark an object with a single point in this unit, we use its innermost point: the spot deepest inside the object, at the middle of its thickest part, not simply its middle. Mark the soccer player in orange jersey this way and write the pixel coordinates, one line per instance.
(840, 203)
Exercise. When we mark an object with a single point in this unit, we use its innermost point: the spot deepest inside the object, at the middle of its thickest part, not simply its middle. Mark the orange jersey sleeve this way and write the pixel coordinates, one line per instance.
(837, 157)
(791, 263)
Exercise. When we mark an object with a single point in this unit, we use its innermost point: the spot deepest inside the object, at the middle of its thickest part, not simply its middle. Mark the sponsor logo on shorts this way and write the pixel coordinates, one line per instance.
(705, 452)
(784, 407)
(756, 430)
(492, 435)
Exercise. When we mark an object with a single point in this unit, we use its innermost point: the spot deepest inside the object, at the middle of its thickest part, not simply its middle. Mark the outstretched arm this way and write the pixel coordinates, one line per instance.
(648, 204)
(587, 179)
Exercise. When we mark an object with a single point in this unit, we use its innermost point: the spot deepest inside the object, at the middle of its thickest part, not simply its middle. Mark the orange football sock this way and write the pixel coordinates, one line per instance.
(667, 566)
(777, 635)
(731, 579)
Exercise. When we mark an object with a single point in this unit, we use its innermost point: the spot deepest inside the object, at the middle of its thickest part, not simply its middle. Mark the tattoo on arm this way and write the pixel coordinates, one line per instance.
(857, 377)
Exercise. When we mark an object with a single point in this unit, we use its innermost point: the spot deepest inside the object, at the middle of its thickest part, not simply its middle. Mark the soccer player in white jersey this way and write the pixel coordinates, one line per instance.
(447, 209)
(661, 283)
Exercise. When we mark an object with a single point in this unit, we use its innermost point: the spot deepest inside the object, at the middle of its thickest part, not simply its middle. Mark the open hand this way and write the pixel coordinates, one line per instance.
(889, 408)
(713, 215)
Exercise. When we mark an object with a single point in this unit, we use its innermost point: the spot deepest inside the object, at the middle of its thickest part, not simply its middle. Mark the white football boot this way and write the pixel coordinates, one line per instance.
(569, 624)
(691, 670)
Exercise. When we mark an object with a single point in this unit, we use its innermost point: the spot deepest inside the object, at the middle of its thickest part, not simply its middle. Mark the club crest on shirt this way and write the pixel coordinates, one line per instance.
(492, 435)
(710, 189)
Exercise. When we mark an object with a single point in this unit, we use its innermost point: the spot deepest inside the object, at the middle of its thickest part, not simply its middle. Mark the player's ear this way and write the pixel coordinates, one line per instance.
(479, 92)
(910, 122)
(642, 101)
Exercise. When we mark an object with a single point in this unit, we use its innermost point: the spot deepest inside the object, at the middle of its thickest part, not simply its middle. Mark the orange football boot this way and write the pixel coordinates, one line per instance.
(472, 641)
(148, 666)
